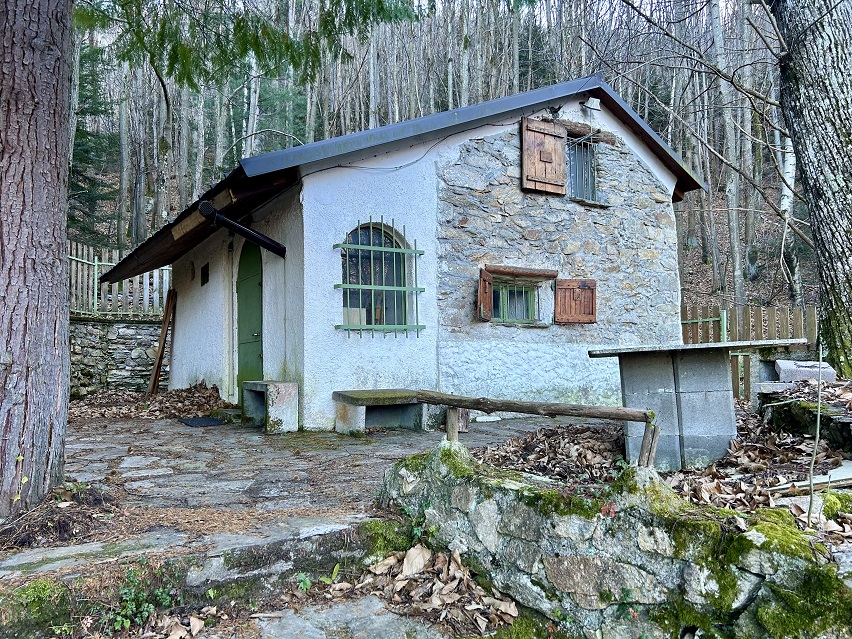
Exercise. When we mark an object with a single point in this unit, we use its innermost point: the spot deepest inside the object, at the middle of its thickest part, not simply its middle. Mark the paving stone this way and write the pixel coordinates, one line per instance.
(365, 618)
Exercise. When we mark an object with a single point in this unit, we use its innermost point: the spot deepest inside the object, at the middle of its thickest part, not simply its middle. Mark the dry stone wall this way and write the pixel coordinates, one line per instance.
(635, 561)
(628, 244)
(114, 355)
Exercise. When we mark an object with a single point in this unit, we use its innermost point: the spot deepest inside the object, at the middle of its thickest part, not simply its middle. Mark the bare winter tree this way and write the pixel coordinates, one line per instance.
(815, 55)
(35, 48)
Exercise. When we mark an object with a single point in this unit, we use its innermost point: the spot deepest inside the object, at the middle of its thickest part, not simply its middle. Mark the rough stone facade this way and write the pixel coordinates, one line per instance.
(636, 562)
(114, 355)
(627, 243)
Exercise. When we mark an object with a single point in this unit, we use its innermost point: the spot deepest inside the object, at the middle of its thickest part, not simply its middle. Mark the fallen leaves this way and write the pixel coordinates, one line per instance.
(440, 588)
(574, 453)
(181, 627)
(195, 401)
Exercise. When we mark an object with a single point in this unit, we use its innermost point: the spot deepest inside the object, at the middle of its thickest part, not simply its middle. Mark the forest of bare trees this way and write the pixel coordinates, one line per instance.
(150, 138)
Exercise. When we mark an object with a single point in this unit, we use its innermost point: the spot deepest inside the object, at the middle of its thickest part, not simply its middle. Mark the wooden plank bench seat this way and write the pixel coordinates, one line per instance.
(357, 410)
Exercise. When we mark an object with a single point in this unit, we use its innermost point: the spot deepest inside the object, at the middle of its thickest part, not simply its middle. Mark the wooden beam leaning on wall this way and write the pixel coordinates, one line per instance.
(168, 313)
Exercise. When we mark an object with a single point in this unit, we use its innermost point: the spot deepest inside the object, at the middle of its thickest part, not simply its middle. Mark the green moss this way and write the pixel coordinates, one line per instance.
(385, 536)
(553, 502)
(625, 483)
(834, 502)
(695, 539)
(821, 602)
(783, 536)
(531, 625)
(30, 611)
(413, 463)
(243, 590)
(677, 614)
(460, 466)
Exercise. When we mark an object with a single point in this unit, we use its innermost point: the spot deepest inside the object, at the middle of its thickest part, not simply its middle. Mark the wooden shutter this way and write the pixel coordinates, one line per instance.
(485, 298)
(575, 302)
(543, 160)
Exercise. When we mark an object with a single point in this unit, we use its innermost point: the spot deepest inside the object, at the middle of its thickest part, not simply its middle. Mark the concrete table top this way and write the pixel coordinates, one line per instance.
(669, 348)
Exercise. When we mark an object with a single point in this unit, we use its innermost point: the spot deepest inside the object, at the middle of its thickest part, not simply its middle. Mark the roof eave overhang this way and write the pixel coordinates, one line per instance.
(236, 197)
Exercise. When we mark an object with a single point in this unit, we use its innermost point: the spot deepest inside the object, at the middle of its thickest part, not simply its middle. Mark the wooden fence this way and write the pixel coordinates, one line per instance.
(142, 296)
(714, 324)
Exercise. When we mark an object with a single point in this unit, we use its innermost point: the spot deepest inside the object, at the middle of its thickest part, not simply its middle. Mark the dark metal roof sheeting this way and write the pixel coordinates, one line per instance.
(402, 134)
(252, 185)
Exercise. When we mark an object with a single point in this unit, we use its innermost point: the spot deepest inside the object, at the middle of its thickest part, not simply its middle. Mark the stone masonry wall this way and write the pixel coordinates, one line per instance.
(114, 355)
(634, 561)
(628, 244)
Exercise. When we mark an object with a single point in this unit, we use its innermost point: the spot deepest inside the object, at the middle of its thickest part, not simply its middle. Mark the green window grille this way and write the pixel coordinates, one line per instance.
(514, 303)
(379, 281)
(582, 167)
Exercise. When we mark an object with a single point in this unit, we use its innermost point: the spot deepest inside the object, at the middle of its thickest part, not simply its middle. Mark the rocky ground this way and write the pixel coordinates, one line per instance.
(133, 475)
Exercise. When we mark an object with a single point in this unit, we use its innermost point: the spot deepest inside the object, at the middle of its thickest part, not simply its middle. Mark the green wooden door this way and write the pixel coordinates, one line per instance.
(249, 317)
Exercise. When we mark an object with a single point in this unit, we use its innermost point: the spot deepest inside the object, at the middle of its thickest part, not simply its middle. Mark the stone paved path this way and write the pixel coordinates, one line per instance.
(309, 483)
(166, 463)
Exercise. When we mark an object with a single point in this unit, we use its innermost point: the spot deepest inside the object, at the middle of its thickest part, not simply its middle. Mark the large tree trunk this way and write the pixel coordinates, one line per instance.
(35, 45)
(816, 97)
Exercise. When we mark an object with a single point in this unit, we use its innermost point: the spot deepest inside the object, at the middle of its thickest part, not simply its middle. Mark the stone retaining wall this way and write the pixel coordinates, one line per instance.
(634, 560)
(114, 355)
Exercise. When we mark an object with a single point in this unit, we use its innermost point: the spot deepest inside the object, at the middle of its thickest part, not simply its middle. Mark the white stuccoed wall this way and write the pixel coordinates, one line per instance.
(334, 200)
(201, 347)
(455, 353)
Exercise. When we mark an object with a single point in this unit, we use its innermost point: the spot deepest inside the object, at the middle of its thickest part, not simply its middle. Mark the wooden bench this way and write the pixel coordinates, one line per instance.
(357, 410)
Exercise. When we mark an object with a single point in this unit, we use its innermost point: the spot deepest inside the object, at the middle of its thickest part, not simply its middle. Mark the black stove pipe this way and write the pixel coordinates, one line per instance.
(211, 213)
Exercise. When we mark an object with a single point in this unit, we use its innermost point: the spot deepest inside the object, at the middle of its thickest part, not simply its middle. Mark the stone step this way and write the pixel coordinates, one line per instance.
(253, 562)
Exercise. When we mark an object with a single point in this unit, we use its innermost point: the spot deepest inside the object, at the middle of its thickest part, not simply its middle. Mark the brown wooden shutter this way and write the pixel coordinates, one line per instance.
(543, 159)
(575, 302)
(485, 298)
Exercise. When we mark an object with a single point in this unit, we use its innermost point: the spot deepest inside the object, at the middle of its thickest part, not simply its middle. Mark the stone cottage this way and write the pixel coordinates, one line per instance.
(480, 251)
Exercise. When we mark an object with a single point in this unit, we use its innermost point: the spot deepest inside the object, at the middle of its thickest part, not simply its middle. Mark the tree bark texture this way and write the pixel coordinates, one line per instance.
(35, 46)
(816, 97)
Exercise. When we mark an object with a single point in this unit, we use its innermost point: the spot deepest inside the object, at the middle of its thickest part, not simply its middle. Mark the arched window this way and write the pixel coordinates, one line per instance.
(377, 267)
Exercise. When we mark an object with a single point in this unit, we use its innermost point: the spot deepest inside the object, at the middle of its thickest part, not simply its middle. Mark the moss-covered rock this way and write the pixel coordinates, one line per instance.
(710, 569)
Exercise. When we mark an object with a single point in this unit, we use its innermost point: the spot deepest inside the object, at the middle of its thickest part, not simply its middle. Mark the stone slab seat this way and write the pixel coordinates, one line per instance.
(357, 410)
(274, 406)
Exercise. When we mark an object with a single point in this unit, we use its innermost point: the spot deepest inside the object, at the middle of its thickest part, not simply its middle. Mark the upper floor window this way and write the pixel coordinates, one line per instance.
(582, 167)
(379, 280)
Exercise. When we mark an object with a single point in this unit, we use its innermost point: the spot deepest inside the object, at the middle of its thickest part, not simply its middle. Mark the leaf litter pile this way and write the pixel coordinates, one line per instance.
(195, 401)
(835, 395)
(761, 465)
(70, 514)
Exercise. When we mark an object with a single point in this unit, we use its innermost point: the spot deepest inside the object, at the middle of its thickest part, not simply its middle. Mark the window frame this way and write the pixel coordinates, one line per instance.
(407, 288)
(579, 189)
(500, 311)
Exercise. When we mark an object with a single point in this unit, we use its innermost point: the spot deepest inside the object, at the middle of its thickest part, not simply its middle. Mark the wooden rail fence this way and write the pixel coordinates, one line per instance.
(142, 296)
(714, 324)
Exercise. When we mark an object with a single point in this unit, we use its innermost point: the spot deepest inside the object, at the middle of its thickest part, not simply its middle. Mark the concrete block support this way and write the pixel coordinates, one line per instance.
(349, 418)
(789, 371)
(274, 406)
(647, 383)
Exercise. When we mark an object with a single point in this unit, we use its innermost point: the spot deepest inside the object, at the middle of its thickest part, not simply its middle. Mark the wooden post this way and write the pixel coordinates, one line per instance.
(811, 326)
(153, 385)
(706, 328)
(772, 319)
(798, 325)
(716, 326)
(453, 424)
(684, 328)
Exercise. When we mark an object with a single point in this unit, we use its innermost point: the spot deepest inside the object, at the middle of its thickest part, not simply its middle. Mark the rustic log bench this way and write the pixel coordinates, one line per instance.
(689, 388)
(357, 410)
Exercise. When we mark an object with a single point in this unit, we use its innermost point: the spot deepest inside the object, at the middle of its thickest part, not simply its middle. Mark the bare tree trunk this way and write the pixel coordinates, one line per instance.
(34, 149)
(732, 181)
(124, 158)
(252, 145)
(816, 97)
(182, 152)
(77, 47)
(162, 155)
(374, 83)
(221, 117)
(199, 144)
(789, 258)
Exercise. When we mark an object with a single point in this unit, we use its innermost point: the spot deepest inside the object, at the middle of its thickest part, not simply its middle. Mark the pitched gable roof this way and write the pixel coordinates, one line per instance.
(260, 178)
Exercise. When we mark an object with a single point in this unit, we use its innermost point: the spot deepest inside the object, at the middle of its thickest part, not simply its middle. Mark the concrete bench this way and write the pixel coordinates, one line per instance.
(357, 410)
(689, 388)
(274, 406)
